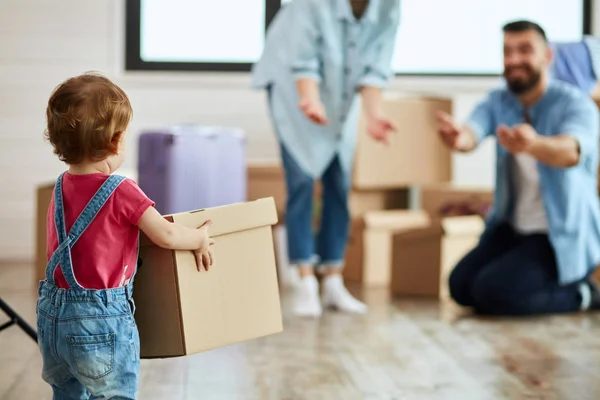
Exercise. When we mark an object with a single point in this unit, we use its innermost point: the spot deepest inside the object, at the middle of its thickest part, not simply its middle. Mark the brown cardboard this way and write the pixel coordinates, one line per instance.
(267, 179)
(416, 262)
(43, 197)
(416, 155)
(441, 199)
(461, 235)
(369, 253)
(353, 260)
(181, 311)
(363, 201)
(422, 259)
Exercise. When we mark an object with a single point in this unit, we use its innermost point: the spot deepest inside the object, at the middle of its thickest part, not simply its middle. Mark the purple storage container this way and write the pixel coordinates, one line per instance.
(186, 168)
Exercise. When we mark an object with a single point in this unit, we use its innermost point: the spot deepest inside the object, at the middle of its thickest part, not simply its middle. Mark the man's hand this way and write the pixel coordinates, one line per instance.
(380, 129)
(314, 110)
(452, 135)
(518, 139)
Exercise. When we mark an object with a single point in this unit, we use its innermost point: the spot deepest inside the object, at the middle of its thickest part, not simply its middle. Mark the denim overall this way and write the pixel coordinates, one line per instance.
(88, 338)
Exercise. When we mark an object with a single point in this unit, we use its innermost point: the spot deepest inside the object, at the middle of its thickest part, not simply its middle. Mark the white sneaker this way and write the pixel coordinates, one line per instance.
(335, 295)
(306, 302)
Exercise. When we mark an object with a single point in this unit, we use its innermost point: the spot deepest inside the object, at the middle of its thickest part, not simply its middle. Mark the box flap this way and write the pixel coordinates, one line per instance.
(463, 225)
(396, 220)
(453, 187)
(227, 219)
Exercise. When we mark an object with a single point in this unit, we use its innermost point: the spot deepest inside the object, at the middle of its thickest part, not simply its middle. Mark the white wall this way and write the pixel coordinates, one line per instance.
(44, 41)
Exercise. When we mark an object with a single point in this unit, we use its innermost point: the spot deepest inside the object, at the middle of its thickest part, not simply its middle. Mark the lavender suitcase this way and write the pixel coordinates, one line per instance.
(191, 167)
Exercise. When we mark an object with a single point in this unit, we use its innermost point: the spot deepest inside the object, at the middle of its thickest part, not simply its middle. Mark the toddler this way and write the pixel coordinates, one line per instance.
(86, 330)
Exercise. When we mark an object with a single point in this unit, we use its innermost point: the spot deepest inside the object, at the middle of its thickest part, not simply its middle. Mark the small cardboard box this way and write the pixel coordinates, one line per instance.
(370, 249)
(423, 258)
(416, 262)
(461, 235)
(416, 155)
(181, 311)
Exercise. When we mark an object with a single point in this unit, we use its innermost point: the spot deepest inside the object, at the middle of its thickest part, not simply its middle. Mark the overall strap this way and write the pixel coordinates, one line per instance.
(62, 255)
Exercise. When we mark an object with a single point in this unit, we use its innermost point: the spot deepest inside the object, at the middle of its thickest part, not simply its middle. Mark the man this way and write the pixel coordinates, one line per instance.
(542, 239)
(578, 63)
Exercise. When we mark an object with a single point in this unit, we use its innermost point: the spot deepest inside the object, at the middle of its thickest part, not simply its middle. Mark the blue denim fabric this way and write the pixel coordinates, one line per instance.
(330, 243)
(88, 338)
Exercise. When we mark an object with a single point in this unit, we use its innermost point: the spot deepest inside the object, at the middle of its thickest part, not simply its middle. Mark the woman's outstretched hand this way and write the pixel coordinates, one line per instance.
(380, 129)
(314, 110)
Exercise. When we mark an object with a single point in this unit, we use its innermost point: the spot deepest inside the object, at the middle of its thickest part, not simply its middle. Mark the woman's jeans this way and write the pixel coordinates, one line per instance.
(328, 245)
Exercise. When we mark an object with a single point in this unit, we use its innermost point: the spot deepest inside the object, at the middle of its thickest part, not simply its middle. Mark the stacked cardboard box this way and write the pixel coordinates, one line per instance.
(383, 175)
(424, 256)
(413, 251)
(415, 157)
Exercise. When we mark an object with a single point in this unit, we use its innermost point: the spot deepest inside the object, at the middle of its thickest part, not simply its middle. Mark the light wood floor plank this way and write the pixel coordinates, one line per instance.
(402, 349)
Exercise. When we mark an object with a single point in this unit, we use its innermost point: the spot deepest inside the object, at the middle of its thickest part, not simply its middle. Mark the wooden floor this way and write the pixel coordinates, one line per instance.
(403, 349)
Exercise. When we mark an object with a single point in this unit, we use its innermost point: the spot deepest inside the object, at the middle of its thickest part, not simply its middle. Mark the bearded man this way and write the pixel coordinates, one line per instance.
(541, 245)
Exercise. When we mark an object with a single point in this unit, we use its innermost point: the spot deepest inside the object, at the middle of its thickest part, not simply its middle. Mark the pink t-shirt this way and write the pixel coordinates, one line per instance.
(105, 256)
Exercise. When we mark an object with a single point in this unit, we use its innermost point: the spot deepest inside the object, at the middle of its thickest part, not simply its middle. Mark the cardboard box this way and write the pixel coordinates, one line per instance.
(416, 155)
(448, 199)
(461, 235)
(181, 311)
(423, 258)
(416, 261)
(267, 179)
(370, 248)
(363, 201)
(43, 198)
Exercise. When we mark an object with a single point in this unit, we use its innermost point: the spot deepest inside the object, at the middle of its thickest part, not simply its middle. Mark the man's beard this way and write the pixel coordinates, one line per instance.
(520, 86)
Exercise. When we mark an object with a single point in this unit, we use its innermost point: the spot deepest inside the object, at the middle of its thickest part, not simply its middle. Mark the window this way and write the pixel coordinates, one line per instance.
(228, 35)
(202, 35)
(430, 42)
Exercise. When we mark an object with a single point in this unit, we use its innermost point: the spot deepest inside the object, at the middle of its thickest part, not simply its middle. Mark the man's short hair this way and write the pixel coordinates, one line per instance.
(524, 25)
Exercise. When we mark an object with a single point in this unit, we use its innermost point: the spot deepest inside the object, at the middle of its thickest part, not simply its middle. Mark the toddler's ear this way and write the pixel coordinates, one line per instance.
(116, 142)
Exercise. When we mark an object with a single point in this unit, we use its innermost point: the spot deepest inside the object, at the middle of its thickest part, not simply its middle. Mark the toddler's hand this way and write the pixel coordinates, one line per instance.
(204, 256)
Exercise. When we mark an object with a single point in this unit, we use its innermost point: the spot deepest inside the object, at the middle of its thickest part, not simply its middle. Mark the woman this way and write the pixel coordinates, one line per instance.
(319, 55)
